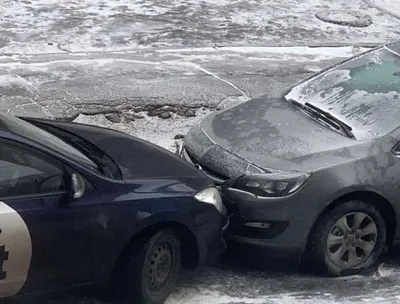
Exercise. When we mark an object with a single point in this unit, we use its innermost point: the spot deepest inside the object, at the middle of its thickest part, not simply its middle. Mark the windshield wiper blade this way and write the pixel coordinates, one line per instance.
(343, 126)
(320, 114)
(296, 103)
(310, 111)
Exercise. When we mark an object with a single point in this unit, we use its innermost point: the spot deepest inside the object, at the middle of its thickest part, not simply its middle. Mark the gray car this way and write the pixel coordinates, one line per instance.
(312, 171)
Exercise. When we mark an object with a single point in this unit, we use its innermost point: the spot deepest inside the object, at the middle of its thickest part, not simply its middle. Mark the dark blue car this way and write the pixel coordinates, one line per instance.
(86, 206)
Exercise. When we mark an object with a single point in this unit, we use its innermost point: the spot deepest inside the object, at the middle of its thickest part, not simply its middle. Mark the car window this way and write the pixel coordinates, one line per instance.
(363, 92)
(24, 173)
(28, 130)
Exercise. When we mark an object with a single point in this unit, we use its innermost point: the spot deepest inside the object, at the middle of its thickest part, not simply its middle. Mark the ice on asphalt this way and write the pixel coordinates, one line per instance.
(154, 129)
(213, 286)
(391, 7)
(64, 85)
(49, 26)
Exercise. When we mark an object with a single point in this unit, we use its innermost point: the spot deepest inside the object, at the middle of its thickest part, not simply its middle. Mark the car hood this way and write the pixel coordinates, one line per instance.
(273, 134)
(136, 158)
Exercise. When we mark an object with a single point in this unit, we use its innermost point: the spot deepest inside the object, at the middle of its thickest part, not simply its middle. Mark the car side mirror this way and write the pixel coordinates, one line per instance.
(78, 186)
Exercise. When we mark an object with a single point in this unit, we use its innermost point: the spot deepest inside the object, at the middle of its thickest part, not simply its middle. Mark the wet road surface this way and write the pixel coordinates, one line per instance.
(262, 281)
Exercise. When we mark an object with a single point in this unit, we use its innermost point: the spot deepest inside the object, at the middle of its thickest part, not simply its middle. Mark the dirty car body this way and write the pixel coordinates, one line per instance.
(55, 236)
(287, 159)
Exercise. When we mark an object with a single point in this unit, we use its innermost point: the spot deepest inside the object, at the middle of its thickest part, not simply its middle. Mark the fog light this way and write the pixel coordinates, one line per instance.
(258, 225)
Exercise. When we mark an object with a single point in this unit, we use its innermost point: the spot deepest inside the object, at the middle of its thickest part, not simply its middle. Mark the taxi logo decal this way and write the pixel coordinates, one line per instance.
(15, 251)
(3, 258)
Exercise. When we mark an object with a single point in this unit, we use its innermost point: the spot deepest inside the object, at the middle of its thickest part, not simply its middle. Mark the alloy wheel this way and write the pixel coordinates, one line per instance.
(352, 239)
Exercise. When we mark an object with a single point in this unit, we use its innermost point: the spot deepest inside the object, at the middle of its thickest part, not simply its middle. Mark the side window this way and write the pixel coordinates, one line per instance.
(22, 172)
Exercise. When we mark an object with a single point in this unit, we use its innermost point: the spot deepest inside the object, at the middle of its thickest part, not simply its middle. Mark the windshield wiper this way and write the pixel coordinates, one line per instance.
(343, 126)
(325, 116)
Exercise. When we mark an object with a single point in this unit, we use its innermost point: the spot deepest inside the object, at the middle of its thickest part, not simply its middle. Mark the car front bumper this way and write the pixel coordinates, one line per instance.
(277, 228)
(289, 219)
(210, 238)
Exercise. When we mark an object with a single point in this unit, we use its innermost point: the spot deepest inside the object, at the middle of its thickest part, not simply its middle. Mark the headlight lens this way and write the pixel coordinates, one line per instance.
(271, 185)
(211, 196)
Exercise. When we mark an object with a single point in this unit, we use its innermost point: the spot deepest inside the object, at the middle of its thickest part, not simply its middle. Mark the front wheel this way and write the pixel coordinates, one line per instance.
(350, 238)
(153, 270)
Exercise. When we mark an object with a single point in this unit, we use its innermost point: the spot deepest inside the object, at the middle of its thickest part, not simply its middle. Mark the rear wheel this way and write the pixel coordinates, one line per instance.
(350, 238)
(152, 271)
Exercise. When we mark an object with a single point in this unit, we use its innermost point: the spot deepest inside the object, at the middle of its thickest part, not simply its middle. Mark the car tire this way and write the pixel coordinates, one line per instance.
(349, 239)
(152, 271)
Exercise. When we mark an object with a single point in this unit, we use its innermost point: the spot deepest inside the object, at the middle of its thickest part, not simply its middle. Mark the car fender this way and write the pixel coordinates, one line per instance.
(352, 189)
(362, 175)
(182, 218)
(144, 222)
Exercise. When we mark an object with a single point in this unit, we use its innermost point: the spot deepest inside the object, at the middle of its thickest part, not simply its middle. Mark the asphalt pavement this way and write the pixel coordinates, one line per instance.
(250, 279)
(65, 85)
(49, 26)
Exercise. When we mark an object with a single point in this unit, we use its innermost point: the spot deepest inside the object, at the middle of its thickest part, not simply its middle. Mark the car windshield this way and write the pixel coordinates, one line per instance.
(30, 131)
(363, 92)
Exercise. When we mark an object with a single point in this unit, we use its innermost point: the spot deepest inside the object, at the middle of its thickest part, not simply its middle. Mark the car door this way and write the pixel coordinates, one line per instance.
(48, 239)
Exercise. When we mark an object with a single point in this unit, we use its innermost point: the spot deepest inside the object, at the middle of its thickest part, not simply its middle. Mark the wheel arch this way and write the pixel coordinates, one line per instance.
(189, 245)
(383, 205)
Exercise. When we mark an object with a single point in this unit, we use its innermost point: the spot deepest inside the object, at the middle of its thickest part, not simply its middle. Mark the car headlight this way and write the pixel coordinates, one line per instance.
(271, 185)
(211, 196)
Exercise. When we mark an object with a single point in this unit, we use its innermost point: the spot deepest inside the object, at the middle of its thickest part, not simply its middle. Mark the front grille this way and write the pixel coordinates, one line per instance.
(215, 176)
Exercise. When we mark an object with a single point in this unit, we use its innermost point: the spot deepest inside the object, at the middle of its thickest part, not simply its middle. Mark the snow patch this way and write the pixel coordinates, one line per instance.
(391, 7)
(298, 53)
(154, 129)
(345, 18)
(345, 51)
(207, 296)
(13, 81)
(47, 26)
(385, 270)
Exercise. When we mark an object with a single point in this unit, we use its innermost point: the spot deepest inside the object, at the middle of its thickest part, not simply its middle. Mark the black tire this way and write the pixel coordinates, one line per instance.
(140, 284)
(327, 259)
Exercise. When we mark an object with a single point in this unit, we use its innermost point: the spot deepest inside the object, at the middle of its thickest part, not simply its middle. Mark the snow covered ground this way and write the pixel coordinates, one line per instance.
(64, 85)
(391, 7)
(154, 129)
(40, 26)
(239, 284)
